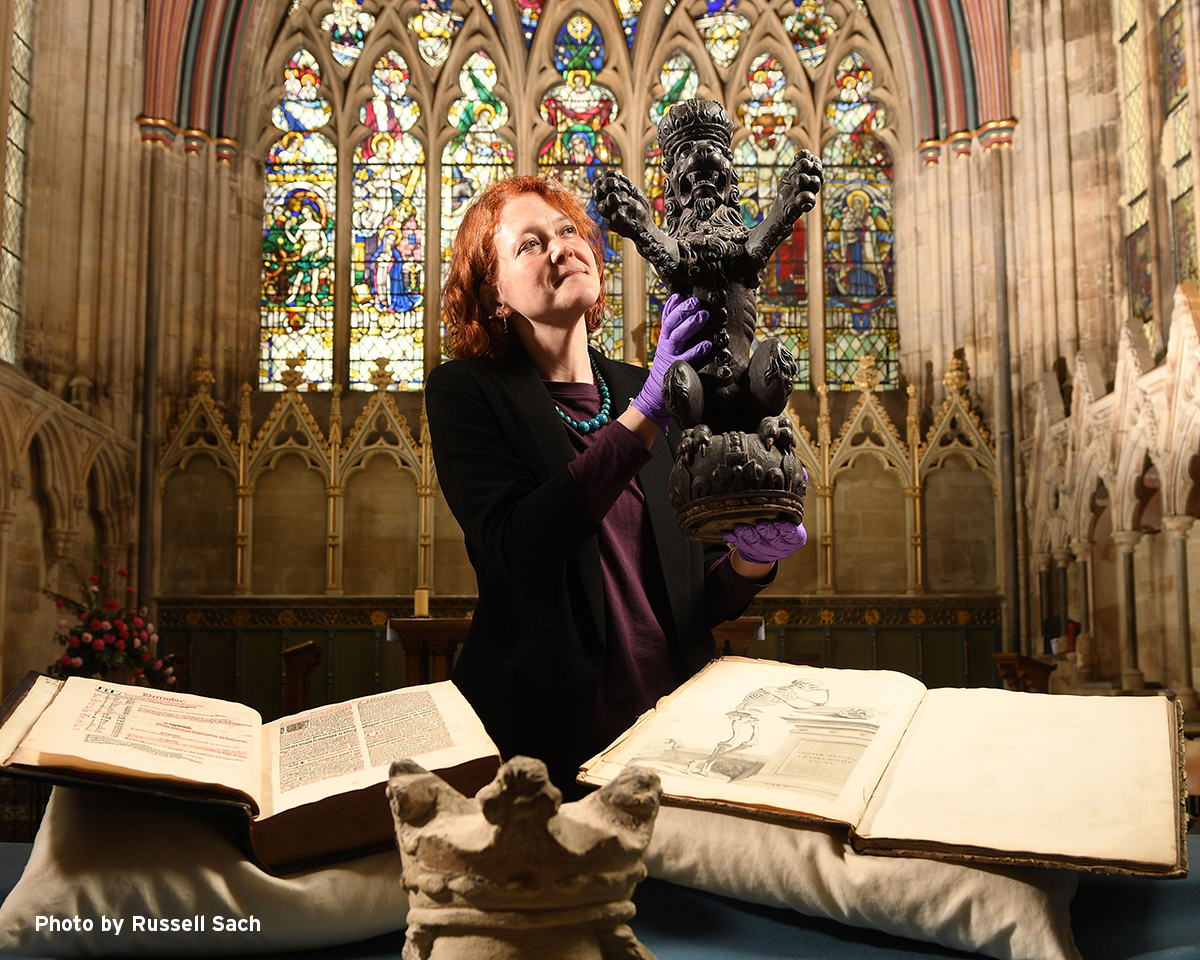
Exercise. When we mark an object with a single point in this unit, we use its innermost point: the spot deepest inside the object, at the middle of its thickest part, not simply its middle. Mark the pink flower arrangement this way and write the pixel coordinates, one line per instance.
(101, 643)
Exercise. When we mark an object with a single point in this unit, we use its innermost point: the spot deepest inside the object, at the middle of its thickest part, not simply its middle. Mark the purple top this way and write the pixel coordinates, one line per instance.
(638, 667)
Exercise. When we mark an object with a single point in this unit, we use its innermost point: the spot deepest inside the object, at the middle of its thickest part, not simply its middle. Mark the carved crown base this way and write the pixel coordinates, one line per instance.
(592, 933)
(722, 479)
(707, 518)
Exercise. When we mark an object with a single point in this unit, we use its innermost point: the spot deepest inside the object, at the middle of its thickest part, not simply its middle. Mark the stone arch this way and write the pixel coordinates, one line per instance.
(960, 527)
(870, 542)
(381, 538)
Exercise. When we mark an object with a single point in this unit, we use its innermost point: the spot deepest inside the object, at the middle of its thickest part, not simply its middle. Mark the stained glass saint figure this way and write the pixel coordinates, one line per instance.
(296, 308)
(386, 316)
(860, 302)
(811, 30)
(348, 27)
(435, 25)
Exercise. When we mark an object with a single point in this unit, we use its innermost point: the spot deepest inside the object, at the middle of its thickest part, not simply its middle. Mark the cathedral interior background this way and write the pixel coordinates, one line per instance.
(226, 223)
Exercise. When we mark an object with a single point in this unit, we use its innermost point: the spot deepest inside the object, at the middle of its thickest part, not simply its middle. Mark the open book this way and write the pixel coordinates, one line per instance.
(310, 786)
(967, 774)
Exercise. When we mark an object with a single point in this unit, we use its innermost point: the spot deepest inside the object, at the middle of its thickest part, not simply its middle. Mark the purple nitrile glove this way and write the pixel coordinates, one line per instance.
(682, 319)
(767, 540)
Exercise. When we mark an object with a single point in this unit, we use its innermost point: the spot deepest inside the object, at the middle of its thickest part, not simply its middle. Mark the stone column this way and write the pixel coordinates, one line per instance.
(1041, 563)
(6, 520)
(1178, 528)
(1063, 557)
(1127, 541)
(1085, 642)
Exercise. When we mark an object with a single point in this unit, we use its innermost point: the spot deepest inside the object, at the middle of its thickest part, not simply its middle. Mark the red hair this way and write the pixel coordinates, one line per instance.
(470, 332)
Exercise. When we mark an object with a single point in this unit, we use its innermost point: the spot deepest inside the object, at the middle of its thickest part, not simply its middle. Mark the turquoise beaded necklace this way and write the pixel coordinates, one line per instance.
(600, 419)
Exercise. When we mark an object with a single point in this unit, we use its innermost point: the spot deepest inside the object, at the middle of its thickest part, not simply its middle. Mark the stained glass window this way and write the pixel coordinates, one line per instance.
(297, 289)
(811, 30)
(348, 26)
(529, 11)
(628, 11)
(388, 238)
(860, 302)
(14, 181)
(1174, 60)
(679, 82)
(760, 160)
(435, 25)
(854, 109)
(1178, 139)
(476, 155)
(1141, 302)
(302, 106)
(722, 27)
(1130, 69)
(579, 109)
(1183, 213)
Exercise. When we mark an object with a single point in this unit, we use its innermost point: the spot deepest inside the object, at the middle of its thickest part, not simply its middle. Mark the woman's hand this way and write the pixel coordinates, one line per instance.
(682, 319)
(764, 543)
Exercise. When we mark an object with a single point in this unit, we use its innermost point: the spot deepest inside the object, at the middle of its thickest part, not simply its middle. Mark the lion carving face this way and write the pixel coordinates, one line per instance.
(703, 179)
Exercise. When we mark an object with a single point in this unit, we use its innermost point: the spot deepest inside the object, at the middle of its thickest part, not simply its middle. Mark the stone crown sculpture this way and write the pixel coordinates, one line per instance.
(725, 474)
(512, 874)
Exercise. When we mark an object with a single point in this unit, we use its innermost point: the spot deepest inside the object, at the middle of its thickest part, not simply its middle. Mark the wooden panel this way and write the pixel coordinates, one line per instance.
(214, 664)
(848, 648)
(895, 649)
(940, 657)
(982, 642)
(354, 669)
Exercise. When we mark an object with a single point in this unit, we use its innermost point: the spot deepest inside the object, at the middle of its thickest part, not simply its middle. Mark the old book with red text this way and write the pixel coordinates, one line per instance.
(310, 787)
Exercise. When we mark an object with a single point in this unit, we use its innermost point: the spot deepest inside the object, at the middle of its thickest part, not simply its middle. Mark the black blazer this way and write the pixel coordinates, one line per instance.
(531, 663)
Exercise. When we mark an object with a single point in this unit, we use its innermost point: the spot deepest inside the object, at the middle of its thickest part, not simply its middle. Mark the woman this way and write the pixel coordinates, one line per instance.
(591, 604)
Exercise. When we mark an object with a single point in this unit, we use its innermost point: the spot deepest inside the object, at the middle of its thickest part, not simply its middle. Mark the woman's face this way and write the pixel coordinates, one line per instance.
(545, 269)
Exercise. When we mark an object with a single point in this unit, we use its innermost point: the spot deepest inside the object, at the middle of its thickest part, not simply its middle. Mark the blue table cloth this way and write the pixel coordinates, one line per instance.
(1114, 918)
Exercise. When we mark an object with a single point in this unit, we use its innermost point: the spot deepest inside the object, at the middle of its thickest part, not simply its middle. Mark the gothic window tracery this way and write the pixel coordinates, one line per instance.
(477, 154)
(761, 159)
(1159, 209)
(860, 303)
(299, 209)
(581, 110)
(388, 256)
(14, 180)
(386, 111)
(1179, 137)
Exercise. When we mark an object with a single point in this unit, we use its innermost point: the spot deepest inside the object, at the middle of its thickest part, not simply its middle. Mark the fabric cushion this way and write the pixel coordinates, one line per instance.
(1014, 913)
(119, 855)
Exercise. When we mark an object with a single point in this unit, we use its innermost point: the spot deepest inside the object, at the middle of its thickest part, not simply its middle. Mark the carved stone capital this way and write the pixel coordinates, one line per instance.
(1041, 562)
(1127, 540)
(1082, 550)
(1063, 556)
(1178, 526)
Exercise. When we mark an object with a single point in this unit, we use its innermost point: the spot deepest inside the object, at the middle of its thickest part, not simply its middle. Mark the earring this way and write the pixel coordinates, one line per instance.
(504, 324)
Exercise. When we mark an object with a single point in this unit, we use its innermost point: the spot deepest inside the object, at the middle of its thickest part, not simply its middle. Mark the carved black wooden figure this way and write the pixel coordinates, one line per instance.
(708, 252)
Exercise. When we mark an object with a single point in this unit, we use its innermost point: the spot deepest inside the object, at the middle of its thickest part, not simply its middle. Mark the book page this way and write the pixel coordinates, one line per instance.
(346, 746)
(21, 721)
(796, 739)
(1064, 776)
(99, 727)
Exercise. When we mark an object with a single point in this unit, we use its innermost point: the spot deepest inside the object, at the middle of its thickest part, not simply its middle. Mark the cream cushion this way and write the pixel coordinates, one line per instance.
(115, 854)
(110, 853)
(1014, 913)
